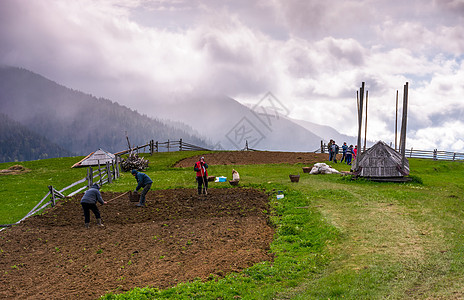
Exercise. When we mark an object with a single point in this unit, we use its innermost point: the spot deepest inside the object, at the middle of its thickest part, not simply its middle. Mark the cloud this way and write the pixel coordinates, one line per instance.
(313, 55)
(317, 19)
(420, 39)
(447, 136)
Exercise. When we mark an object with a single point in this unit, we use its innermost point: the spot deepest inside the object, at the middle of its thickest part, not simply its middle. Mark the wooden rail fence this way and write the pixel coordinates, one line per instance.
(155, 146)
(414, 153)
(183, 146)
(102, 174)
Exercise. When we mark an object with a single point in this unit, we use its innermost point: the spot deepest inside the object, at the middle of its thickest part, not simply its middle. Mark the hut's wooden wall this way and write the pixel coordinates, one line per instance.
(380, 161)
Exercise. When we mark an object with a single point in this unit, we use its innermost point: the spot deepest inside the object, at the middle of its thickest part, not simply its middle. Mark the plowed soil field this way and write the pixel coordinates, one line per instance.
(178, 237)
(256, 157)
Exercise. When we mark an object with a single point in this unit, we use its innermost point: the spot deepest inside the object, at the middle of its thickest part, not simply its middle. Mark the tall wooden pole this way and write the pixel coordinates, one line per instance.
(396, 120)
(360, 109)
(403, 125)
(365, 124)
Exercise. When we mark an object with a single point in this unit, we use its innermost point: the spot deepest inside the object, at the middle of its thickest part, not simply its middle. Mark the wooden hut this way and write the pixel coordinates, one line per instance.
(95, 158)
(382, 163)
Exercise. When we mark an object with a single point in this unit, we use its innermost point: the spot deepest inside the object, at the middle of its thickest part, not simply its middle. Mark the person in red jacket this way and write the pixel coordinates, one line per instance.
(202, 175)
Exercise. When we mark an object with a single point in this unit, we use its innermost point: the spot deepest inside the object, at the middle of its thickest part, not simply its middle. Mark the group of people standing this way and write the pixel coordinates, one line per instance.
(348, 152)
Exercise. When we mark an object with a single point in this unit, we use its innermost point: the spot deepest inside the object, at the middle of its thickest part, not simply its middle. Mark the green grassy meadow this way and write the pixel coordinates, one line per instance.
(335, 238)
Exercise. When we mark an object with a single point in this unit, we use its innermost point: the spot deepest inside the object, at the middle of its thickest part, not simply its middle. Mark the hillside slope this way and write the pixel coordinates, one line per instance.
(78, 122)
(17, 143)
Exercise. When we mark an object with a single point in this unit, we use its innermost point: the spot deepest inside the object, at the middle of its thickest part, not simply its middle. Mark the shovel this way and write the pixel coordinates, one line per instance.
(203, 178)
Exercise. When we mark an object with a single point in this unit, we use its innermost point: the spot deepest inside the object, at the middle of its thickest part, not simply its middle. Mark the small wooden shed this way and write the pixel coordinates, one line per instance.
(95, 158)
(382, 163)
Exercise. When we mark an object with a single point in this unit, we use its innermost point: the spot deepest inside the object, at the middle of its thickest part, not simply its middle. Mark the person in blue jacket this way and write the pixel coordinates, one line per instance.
(143, 181)
(344, 149)
(89, 203)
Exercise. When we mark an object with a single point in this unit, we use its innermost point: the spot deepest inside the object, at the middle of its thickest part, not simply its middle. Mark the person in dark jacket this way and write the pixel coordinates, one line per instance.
(344, 149)
(89, 203)
(329, 147)
(335, 150)
(202, 175)
(349, 154)
(143, 181)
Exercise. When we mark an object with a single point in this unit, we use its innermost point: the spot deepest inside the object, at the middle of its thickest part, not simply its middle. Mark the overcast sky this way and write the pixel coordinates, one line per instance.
(312, 55)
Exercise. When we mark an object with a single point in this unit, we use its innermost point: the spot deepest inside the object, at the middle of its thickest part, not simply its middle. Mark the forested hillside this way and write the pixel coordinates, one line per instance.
(78, 122)
(19, 143)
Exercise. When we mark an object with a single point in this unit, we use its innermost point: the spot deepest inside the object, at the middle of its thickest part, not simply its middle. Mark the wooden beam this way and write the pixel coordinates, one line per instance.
(404, 124)
(396, 120)
(365, 124)
(360, 109)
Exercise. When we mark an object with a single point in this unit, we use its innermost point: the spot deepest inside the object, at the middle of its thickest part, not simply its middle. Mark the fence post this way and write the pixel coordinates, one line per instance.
(116, 170)
(99, 172)
(90, 176)
(108, 172)
(434, 154)
(52, 195)
(180, 145)
(156, 146)
(410, 154)
(118, 167)
(113, 170)
(322, 147)
(168, 145)
(454, 156)
(151, 147)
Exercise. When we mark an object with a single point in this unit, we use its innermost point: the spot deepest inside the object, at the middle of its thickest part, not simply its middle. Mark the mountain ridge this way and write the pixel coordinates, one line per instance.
(78, 122)
(232, 125)
(18, 143)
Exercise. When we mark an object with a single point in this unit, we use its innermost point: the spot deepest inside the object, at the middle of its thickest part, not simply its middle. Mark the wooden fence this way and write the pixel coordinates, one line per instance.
(413, 153)
(155, 146)
(179, 145)
(169, 145)
(102, 174)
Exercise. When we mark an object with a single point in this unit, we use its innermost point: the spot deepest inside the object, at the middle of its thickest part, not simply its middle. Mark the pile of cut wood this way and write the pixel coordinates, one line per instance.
(133, 161)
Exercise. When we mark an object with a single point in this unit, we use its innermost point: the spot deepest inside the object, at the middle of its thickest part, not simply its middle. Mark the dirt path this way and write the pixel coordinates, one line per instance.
(176, 238)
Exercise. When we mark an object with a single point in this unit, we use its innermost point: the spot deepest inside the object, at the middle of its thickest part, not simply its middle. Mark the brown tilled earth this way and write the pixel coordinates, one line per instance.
(178, 237)
(256, 157)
